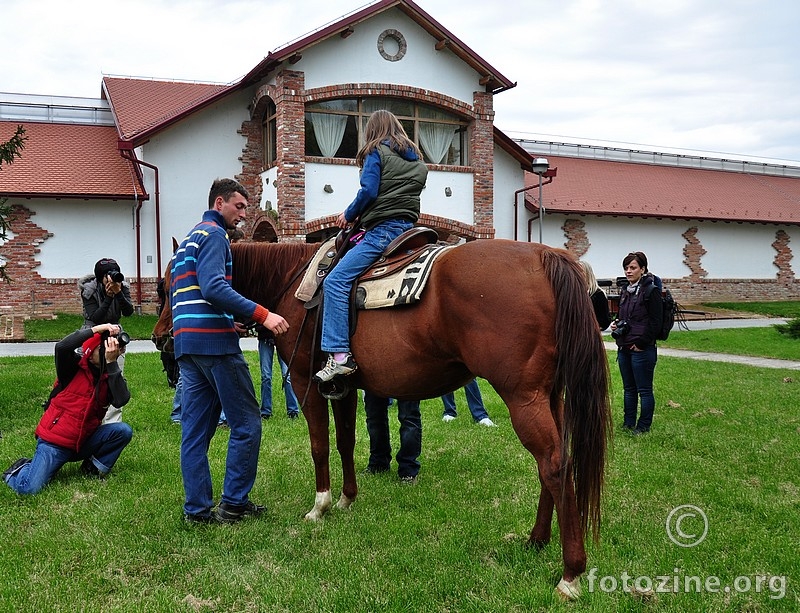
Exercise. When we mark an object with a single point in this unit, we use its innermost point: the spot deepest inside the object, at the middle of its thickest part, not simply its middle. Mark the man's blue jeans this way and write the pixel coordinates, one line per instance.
(176, 400)
(474, 402)
(380, 448)
(339, 282)
(266, 349)
(212, 384)
(637, 369)
(102, 449)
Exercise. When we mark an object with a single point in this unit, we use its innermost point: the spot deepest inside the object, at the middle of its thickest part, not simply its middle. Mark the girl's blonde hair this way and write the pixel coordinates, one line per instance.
(383, 125)
(591, 280)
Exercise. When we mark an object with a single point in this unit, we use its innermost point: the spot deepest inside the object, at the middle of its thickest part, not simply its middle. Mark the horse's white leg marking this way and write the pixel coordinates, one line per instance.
(322, 503)
(569, 590)
(344, 503)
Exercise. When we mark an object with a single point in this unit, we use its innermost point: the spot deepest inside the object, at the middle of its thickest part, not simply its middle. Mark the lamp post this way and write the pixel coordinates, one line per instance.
(540, 167)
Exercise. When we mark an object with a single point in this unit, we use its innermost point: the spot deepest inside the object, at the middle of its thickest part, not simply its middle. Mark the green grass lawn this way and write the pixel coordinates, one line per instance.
(726, 438)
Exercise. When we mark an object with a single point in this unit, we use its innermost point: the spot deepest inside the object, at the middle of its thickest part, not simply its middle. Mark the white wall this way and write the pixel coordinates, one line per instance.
(356, 59)
(738, 251)
(84, 231)
(189, 156)
(508, 178)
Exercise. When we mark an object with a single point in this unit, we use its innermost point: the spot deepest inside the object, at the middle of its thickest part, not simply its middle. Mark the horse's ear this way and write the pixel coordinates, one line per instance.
(174, 245)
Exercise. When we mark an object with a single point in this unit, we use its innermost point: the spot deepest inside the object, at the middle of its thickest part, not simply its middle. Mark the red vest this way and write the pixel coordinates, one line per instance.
(75, 413)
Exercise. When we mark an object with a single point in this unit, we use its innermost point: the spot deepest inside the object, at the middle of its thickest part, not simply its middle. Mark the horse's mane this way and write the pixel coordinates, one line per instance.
(261, 270)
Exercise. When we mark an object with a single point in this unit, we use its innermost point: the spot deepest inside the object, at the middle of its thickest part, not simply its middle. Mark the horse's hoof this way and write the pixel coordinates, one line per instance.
(322, 503)
(345, 502)
(569, 590)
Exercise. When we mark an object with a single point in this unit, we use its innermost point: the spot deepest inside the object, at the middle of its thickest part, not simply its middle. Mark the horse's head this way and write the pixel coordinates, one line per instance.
(162, 331)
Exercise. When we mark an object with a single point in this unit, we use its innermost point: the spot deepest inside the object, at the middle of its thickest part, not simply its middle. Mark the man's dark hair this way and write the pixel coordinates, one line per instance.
(225, 188)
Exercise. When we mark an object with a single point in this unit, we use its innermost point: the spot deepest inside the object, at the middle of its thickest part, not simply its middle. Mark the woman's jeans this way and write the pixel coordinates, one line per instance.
(211, 384)
(339, 282)
(637, 368)
(102, 449)
(474, 402)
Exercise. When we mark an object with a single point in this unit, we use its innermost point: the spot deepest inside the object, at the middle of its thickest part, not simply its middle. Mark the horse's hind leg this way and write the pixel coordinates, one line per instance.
(344, 417)
(542, 529)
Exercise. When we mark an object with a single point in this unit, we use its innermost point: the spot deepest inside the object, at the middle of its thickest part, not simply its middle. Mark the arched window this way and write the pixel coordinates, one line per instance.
(270, 136)
(335, 128)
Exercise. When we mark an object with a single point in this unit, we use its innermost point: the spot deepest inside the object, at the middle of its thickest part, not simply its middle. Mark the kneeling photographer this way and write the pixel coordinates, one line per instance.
(88, 380)
(106, 297)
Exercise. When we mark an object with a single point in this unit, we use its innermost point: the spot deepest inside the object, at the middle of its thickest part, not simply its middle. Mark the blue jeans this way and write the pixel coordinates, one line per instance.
(380, 448)
(102, 449)
(637, 368)
(266, 349)
(339, 282)
(212, 383)
(177, 400)
(474, 402)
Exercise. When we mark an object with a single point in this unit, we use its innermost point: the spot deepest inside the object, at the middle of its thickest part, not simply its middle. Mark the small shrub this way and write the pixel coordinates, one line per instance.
(791, 328)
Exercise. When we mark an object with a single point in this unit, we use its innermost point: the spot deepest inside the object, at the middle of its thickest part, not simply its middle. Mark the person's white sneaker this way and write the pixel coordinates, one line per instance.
(487, 422)
(448, 418)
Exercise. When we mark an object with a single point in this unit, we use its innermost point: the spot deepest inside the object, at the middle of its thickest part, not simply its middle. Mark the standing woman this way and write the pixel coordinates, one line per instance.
(598, 296)
(392, 178)
(635, 329)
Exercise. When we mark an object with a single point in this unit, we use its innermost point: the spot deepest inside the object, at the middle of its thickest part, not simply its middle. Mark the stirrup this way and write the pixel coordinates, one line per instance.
(335, 389)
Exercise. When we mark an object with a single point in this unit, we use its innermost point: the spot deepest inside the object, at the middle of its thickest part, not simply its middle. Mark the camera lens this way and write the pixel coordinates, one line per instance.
(123, 338)
(116, 276)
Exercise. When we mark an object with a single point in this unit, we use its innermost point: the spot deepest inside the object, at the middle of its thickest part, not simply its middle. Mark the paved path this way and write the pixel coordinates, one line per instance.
(251, 344)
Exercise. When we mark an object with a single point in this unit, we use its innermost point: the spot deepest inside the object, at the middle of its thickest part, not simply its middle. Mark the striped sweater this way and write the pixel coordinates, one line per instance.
(203, 302)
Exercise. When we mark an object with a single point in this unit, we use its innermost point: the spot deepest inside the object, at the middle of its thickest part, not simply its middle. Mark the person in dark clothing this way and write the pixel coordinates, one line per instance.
(88, 381)
(598, 296)
(634, 330)
(106, 297)
(380, 449)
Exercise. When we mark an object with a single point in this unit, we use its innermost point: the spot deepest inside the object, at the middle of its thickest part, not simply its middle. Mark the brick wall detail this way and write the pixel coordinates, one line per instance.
(577, 239)
(693, 253)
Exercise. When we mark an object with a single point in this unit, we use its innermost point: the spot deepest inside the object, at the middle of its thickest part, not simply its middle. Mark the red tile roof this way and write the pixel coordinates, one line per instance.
(142, 106)
(67, 161)
(642, 190)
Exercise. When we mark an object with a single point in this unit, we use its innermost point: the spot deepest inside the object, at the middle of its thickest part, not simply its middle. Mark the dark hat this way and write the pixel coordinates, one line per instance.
(103, 266)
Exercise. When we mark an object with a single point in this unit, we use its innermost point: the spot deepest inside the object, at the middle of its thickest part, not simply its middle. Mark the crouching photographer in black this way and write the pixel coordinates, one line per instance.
(106, 297)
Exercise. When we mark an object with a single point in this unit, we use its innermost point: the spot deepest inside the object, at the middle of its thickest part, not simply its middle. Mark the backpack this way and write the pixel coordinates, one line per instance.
(670, 311)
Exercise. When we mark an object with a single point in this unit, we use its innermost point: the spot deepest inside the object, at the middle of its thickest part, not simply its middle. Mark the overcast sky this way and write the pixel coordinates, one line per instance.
(716, 76)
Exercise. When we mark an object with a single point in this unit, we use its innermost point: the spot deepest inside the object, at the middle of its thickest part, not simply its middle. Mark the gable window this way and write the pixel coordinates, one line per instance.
(335, 128)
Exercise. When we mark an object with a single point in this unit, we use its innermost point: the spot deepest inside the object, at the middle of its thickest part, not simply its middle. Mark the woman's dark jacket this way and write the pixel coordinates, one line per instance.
(642, 310)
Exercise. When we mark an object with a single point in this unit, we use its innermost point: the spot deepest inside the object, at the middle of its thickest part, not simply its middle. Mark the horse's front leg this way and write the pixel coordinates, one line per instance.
(316, 414)
(344, 418)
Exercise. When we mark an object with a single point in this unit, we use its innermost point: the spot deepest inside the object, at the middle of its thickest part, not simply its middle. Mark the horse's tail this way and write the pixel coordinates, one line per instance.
(582, 377)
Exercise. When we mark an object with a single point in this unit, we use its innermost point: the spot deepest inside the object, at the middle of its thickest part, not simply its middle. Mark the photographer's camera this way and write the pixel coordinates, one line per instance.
(621, 329)
(116, 276)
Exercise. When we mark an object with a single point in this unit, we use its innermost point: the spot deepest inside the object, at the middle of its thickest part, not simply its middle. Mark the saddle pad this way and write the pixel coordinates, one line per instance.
(401, 287)
(308, 286)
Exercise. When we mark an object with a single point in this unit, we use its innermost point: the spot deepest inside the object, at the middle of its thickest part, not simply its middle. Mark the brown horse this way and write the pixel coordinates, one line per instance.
(516, 314)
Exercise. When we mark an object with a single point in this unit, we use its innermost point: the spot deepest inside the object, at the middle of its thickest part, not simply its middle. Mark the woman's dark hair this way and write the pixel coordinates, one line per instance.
(640, 258)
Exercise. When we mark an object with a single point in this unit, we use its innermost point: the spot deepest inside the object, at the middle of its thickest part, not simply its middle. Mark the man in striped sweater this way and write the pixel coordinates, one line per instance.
(214, 372)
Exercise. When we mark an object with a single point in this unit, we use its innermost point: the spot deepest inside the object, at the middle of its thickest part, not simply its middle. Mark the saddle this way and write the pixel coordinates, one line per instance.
(397, 255)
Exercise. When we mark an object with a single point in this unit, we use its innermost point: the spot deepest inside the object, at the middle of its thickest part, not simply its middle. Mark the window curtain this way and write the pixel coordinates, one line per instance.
(435, 138)
(329, 130)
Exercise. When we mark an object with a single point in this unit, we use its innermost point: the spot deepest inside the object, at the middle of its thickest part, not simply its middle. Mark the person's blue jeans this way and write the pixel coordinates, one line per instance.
(474, 402)
(637, 369)
(339, 282)
(380, 448)
(102, 449)
(211, 384)
(176, 400)
(266, 350)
